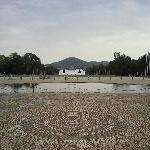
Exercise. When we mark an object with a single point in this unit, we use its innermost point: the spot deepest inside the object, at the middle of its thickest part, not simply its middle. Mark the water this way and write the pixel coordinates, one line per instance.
(75, 87)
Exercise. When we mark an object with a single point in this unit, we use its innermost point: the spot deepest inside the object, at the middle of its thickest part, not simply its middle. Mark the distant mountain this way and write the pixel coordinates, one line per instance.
(75, 63)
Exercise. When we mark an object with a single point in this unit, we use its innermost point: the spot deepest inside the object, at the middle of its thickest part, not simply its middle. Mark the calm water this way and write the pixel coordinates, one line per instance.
(75, 87)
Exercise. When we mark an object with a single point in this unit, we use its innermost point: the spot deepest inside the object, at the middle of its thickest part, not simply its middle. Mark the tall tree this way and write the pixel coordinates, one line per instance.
(16, 63)
(32, 63)
(120, 65)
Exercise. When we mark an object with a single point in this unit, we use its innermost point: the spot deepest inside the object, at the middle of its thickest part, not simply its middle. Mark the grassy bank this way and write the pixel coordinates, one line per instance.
(75, 79)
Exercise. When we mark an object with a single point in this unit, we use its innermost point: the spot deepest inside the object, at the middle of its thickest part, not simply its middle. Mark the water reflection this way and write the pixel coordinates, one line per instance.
(74, 87)
(121, 87)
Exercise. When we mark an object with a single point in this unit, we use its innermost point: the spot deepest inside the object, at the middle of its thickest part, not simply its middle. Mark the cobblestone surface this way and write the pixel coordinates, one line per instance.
(67, 121)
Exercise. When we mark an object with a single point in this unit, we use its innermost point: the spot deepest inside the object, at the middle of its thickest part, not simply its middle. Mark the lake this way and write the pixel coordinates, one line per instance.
(75, 87)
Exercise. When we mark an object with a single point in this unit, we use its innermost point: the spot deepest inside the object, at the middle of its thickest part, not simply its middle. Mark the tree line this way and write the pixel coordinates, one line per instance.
(123, 65)
(27, 64)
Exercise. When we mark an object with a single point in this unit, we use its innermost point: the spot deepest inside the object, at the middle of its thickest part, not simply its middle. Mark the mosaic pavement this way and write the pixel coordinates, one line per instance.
(65, 121)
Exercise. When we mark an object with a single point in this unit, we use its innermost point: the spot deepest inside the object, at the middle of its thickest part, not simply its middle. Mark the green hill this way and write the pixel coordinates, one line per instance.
(75, 63)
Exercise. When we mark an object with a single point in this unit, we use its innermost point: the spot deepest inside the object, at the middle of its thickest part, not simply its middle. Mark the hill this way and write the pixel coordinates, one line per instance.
(75, 63)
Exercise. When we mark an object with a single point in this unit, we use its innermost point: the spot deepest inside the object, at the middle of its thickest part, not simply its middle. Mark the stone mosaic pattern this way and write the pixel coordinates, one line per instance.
(67, 121)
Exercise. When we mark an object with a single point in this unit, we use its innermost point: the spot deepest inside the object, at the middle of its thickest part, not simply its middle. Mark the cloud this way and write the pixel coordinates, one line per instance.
(63, 28)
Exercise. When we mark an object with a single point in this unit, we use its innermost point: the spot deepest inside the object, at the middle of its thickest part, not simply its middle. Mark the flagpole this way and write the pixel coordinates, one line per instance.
(148, 63)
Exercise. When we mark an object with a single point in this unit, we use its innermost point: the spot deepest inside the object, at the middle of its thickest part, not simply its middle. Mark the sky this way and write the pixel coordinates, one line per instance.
(91, 30)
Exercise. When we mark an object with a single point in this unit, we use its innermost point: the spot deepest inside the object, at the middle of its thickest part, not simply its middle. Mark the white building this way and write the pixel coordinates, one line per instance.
(72, 72)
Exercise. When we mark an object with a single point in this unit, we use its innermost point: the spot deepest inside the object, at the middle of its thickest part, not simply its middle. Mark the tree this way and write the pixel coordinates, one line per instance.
(16, 64)
(97, 70)
(32, 63)
(51, 70)
(120, 65)
(141, 63)
(2, 57)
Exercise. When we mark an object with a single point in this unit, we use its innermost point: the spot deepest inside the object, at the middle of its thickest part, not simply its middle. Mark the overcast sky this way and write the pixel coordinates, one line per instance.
(87, 29)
